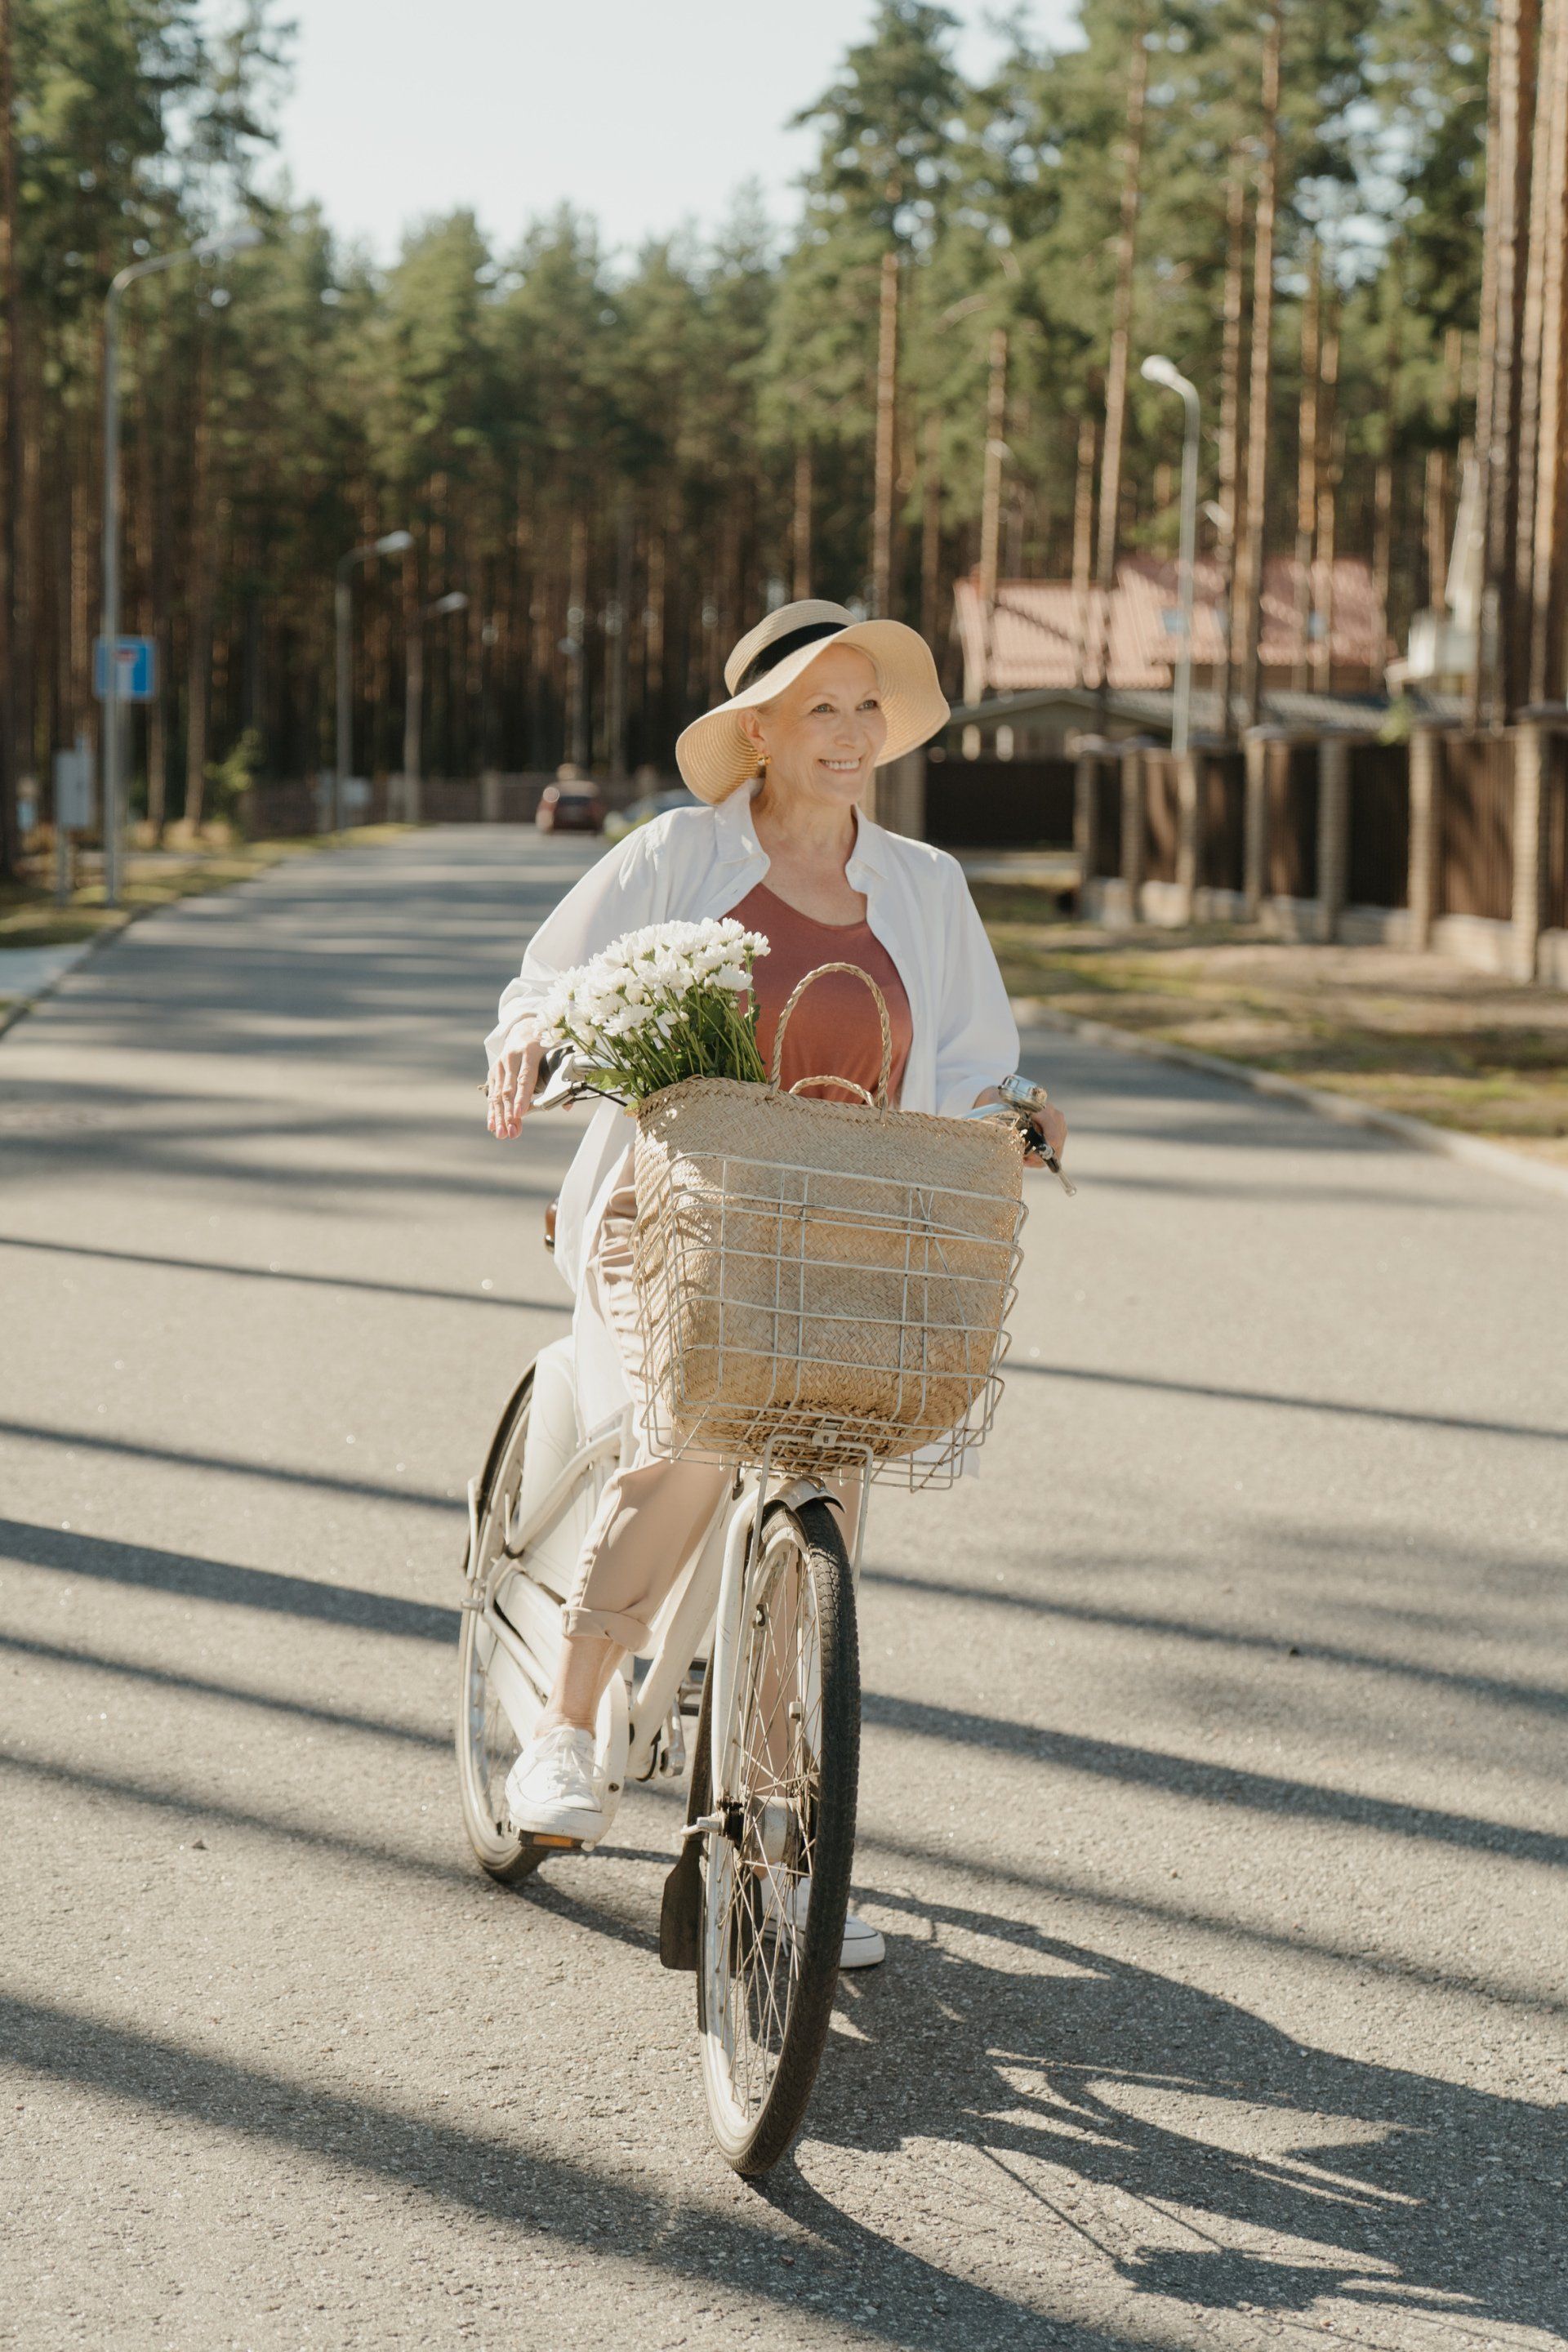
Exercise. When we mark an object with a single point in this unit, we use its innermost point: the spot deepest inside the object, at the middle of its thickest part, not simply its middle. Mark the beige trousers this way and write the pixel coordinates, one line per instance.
(654, 1511)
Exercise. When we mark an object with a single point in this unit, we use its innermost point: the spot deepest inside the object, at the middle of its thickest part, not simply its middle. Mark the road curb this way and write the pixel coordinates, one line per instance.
(25, 1005)
(1031, 1013)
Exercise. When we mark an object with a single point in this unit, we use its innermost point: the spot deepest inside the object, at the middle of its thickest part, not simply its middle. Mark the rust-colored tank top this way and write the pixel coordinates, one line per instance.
(834, 1029)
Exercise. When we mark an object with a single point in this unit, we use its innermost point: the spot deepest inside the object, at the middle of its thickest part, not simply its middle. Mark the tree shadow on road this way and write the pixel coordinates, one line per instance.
(1089, 2082)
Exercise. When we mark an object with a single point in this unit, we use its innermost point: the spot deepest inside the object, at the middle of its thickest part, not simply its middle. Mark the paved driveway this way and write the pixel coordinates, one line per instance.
(1215, 1791)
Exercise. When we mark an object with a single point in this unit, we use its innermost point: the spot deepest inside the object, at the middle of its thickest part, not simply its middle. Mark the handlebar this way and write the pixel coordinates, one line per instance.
(1033, 1136)
(560, 1081)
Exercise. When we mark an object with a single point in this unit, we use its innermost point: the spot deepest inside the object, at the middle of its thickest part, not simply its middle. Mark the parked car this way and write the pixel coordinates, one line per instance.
(570, 808)
(624, 821)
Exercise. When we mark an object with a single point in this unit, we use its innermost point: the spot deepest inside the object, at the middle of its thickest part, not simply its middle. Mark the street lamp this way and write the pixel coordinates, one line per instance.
(1162, 372)
(238, 239)
(414, 698)
(393, 542)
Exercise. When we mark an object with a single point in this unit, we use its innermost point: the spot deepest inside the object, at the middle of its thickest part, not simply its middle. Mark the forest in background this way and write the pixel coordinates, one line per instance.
(622, 460)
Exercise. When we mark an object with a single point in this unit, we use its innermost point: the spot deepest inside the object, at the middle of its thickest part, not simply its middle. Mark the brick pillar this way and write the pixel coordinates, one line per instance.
(1255, 841)
(1334, 831)
(1426, 784)
(1187, 830)
(1531, 752)
(1132, 826)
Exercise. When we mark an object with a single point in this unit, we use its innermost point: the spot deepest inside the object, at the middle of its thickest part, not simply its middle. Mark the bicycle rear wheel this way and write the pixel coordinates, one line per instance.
(776, 1874)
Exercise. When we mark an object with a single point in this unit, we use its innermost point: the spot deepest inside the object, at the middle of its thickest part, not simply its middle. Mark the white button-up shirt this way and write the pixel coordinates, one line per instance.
(691, 864)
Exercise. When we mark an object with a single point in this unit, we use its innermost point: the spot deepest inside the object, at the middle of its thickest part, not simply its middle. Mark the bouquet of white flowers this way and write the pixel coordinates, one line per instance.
(671, 1002)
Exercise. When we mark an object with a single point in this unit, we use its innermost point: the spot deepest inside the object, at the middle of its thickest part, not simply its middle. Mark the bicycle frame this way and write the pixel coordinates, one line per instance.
(639, 1723)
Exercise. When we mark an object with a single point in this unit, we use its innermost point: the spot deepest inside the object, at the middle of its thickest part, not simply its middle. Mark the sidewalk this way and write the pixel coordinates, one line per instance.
(1412, 1034)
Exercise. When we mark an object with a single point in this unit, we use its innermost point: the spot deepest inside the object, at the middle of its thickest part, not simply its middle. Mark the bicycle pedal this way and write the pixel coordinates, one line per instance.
(556, 1845)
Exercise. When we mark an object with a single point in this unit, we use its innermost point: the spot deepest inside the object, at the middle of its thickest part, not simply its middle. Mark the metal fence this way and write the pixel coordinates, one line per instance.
(1162, 816)
(1555, 836)
(999, 804)
(1107, 859)
(1290, 834)
(1377, 855)
(1222, 820)
(1475, 830)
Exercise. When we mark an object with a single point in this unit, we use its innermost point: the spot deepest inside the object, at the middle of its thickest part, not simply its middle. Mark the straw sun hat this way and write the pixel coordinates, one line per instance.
(714, 754)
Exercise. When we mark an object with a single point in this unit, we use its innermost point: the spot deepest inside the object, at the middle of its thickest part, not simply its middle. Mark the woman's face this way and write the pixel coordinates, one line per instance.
(823, 734)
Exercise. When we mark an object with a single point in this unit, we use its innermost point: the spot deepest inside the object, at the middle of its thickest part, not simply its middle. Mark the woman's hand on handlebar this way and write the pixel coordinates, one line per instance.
(1054, 1127)
(514, 1077)
(1044, 1118)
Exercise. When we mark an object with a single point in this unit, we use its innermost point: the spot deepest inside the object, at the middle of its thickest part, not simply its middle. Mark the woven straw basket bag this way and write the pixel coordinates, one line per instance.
(828, 1279)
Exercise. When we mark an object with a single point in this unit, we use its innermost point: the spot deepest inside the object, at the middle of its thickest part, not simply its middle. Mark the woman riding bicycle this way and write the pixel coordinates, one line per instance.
(817, 702)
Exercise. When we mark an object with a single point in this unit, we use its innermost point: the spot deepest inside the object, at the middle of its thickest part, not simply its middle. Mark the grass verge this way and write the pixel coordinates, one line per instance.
(1408, 1033)
(30, 917)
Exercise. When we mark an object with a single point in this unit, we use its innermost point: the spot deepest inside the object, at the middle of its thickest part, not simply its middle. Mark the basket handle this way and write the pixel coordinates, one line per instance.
(850, 1085)
(881, 1102)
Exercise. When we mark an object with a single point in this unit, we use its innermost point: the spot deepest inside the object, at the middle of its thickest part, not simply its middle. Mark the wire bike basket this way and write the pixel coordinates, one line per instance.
(823, 1284)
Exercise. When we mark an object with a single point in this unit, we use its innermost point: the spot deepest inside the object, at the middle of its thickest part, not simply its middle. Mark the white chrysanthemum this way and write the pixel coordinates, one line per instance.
(633, 1009)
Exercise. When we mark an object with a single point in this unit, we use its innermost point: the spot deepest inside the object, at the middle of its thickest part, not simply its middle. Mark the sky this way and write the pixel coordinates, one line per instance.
(647, 113)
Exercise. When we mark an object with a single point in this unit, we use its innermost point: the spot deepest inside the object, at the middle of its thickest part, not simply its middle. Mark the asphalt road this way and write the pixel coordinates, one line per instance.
(1214, 1795)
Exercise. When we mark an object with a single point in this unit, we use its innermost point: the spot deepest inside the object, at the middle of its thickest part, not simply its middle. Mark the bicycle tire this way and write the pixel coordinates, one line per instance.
(500, 1851)
(760, 2058)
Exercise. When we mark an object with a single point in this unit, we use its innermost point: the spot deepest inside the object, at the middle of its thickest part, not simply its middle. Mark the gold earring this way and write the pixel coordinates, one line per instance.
(762, 763)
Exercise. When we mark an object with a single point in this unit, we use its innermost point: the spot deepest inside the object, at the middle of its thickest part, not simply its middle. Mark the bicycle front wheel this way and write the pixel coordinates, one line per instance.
(487, 1743)
(775, 1874)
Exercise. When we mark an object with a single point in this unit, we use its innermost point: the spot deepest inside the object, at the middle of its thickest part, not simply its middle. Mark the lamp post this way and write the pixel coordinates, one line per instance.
(414, 699)
(1164, 373)
(392, 543)
(238, 239)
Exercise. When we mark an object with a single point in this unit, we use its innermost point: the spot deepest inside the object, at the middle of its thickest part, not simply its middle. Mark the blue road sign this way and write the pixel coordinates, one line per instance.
(138, 661)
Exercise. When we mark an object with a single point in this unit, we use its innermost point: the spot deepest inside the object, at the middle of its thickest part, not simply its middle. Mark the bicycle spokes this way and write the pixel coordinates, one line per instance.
(763, 1862)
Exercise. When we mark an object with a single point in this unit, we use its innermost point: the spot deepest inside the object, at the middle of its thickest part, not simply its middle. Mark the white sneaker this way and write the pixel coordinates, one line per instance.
(552, 1791)
(862, 1946)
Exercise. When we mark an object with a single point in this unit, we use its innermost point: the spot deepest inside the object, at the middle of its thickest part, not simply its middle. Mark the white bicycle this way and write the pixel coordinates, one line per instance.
(757, 1639)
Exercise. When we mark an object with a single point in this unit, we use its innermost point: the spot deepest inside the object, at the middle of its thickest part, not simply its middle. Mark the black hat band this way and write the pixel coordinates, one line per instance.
(791, 641)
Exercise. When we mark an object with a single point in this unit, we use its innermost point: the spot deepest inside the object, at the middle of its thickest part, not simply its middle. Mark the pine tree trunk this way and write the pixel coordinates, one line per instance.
(1249, 568)
(1481, 652)
(991, 501)
(654, 641)
(1435, 528)
(1306, 467)
(1082, 544)
(1230, 432)
(1382, 480)
(1549, 551)
(10, 458)
(887, 412)
(1330, 447)
(930, 531)
(1515, 28)
(1533, 321)
(199, 647)
(616, 715)
(577, 715)
(1116, 366)
(800, 526)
